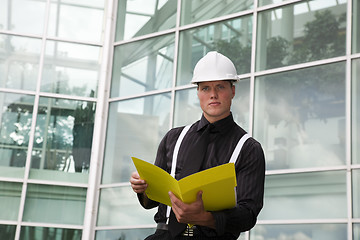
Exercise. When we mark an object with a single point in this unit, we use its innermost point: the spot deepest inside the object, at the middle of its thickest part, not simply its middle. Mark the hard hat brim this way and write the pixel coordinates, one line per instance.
(233, 79)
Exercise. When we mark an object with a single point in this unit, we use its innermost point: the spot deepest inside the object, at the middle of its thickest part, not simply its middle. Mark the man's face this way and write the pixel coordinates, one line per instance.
(215, 99)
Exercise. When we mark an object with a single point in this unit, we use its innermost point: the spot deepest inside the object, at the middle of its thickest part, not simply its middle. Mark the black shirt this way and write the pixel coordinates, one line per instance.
(250, 172)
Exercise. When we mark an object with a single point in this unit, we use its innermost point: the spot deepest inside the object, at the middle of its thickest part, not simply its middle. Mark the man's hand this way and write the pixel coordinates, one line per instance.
(193, 213)
(138, 185)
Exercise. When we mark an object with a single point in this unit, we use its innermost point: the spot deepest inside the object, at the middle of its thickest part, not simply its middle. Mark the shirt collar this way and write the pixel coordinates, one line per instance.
(219, 126)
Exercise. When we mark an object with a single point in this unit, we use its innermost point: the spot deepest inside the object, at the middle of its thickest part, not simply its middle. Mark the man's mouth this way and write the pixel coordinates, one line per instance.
(214, 103)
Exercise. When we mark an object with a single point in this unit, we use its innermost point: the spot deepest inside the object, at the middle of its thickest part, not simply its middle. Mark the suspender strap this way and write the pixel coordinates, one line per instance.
(174, 160)
(233, 158)
(176, 150)
(238, 147)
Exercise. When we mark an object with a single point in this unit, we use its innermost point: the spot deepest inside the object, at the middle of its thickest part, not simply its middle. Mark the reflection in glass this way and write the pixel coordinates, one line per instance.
(315, 193)
(140, 17)
(127, 212)
(356, 26)
(355, 111)
(24, 16)
(198, 10)
(299, 33)
(240, 104)
(312, 5)
(63, 139)
(19, 62)
(135, 128)
(71, 69)
(15, 123)
(356, 231)
(231, 38)
(139, 233)
(356, 193)
(32, 233)
(266, 2)
(7, 231)
(77, 20)
(148, 67)
(9, 201)
(187, 107)
(300, 231)
(54, 204)
(300, 117)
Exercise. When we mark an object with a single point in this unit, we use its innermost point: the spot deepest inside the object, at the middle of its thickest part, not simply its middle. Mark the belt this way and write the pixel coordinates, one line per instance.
(162, 226)
(188, 232)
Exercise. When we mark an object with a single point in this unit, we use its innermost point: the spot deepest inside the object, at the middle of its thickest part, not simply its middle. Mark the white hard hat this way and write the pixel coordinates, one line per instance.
(214, 67)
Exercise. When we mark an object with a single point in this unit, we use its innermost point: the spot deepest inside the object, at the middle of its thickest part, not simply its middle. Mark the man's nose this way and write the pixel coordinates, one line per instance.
(213, 93)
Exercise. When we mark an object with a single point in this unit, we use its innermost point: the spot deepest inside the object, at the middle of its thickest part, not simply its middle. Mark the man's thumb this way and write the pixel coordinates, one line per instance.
(199, 195)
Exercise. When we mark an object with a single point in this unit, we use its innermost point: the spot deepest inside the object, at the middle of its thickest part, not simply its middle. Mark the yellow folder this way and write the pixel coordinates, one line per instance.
(217, 183)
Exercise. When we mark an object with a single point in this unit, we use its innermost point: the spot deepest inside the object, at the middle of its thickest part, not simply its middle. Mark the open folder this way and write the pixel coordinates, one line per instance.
(217, 184)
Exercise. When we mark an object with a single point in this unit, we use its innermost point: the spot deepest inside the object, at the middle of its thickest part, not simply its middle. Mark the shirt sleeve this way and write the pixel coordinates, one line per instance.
(160, 162)
(250, 173)
(163, 153)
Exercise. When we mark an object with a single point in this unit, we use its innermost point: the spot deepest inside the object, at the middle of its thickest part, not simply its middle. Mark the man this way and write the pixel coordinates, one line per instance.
(214, 74)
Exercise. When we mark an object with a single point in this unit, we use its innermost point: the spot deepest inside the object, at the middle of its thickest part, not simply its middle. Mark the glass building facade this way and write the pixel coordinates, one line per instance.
(85, 85)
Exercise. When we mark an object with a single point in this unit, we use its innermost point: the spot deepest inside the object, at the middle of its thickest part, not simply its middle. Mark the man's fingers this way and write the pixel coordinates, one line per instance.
(138, 185)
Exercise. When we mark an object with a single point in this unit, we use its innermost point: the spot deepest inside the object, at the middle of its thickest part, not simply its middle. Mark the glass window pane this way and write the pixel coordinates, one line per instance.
(267, 2)
(187, 107)
(9, 201)
(7, 231)
(355, 111)
(356, 193)
(135, 128)
(71, 69)
(356, 26)
(24, 16)
(16, 118)
(77, 20)
(322, 3)
(140, 17)
(63, 140)
(305, 196)
(299, 33)
(198, 10)
(231, 38)
(139, 233)
(300, 117)
(356, 231)
(300, 231)
(54, 204)
(19, 62)
(32, 233)
(240, 104)
(148, 67)
(127, 212)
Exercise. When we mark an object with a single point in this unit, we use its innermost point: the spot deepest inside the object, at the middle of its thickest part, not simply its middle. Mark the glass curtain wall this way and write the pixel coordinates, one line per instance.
(293, 58)
(298, 62)
(50, 58)
(86, 85)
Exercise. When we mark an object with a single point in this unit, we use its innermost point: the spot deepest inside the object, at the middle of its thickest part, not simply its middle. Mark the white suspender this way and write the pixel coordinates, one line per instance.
(176, 150)
(238, 147)
(233, 158)
(174, 161)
